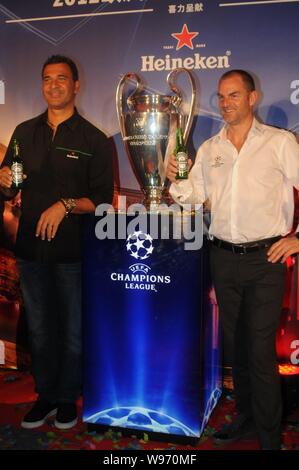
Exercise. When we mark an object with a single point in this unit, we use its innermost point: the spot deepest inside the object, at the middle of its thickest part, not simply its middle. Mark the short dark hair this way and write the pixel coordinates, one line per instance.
(61, 59)
(246, 77)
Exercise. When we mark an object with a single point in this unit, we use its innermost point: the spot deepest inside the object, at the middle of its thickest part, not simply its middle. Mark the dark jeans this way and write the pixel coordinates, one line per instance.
(52, 298)
(249, 292)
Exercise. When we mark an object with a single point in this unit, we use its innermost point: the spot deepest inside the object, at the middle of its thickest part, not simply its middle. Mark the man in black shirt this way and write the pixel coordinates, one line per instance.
(68, 166)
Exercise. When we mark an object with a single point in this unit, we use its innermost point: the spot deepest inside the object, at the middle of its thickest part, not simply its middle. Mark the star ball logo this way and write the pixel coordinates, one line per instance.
(140, 245)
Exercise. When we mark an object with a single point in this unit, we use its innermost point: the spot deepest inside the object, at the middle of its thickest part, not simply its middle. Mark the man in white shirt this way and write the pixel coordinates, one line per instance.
(247, 171)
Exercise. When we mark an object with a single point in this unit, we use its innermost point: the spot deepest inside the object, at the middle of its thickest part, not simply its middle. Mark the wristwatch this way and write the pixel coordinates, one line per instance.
(69, 205)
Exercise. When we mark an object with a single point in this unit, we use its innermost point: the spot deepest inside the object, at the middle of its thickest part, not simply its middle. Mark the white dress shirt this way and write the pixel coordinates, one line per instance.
(251, 191)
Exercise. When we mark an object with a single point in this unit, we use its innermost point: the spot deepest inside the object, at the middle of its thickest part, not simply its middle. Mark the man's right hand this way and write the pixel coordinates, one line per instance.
(5, 177)
(6, 182)
(172, 168)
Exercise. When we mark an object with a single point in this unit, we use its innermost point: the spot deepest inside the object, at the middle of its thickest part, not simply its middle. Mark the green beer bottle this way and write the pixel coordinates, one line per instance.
(17, 166)
(181, 156)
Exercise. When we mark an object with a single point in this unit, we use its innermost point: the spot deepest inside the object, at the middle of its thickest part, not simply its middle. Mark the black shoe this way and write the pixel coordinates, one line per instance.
(66, 416)
(38, 414)
(240, 428)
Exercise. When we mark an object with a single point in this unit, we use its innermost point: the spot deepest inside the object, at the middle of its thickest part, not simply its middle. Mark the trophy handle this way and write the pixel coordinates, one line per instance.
(171, 82)
(130, 76)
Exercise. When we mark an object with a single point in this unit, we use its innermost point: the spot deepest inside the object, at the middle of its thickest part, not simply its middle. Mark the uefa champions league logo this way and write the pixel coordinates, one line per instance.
(140, 245)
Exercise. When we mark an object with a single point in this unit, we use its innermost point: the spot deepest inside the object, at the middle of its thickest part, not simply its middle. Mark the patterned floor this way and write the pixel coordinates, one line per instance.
(17, 395)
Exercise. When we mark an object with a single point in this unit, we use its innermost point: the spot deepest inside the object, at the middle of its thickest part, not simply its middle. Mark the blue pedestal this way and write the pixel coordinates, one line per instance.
(151, 330)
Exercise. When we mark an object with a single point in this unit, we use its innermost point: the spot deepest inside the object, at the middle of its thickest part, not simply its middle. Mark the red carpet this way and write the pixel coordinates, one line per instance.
(17, 394)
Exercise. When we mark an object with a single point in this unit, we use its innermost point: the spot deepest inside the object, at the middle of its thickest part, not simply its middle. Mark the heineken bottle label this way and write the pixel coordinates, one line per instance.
(182, 160)
(17, 173)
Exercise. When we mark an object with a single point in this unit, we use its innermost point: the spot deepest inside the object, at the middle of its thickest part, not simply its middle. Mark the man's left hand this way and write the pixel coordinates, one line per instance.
(282, 249)
(49, 221)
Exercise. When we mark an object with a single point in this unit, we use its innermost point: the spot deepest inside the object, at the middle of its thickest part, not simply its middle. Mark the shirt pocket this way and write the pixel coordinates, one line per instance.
(71, 169)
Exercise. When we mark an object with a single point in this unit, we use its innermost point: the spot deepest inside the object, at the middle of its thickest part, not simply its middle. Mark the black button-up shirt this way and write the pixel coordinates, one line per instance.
(76, 163)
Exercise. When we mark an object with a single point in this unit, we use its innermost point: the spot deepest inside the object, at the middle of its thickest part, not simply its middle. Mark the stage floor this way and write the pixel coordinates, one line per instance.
(17, 395)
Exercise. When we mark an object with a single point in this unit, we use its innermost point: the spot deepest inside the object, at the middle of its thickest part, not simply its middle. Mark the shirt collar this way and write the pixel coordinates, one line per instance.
(257, 128)
(71, 122)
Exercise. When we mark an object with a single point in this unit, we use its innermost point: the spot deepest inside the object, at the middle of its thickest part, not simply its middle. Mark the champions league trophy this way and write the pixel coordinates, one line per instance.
(148, 125)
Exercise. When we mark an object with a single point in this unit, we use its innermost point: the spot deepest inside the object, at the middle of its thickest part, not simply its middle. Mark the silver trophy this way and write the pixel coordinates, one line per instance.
(148, 124)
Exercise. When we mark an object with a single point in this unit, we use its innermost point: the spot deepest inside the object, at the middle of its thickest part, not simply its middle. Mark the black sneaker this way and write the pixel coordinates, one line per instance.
(66, 416)
(38, 414)
(241, 428)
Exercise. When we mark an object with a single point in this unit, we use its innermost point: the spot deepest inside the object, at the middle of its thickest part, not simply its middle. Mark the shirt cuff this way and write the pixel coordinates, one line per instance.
(181, 192)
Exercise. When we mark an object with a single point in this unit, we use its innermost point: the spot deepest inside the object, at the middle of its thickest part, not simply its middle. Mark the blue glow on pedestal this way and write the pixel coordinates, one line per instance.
(141, 418)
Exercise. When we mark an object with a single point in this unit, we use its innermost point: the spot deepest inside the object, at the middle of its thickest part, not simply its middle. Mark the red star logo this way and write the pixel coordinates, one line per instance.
(184, 38)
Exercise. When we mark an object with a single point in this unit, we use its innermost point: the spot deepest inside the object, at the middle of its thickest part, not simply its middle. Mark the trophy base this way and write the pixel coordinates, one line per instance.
(157, 199)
